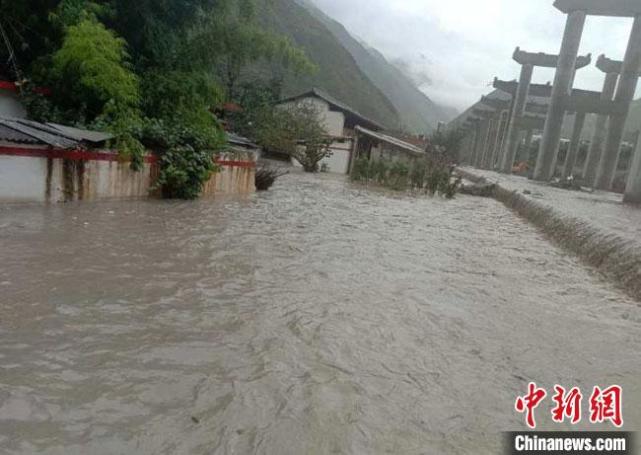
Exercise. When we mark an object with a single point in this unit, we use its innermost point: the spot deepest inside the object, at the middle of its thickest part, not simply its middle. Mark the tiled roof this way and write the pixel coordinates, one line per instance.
(318, 93)
(58, 136)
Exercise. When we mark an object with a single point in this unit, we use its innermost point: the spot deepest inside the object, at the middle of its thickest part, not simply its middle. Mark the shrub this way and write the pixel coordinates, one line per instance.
(186, 158)
(398, 175)
(266, 177)
(379, 171)
(360, 172)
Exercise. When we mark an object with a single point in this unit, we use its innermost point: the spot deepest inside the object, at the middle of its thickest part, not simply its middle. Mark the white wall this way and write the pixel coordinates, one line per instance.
(334, 122)
(22, 179)
(10, 105)
(338, 163)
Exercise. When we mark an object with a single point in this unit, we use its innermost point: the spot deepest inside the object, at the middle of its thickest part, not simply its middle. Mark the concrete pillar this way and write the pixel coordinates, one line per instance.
(478, 131)
(500, 134)
(520, 101)
(561, 89)
(487, 132)
(528, 142)
(633, 186)
(528, 138)
(482, 141)
(624, 95)
(598, 139)
(494, 132)
(575, 145)
(501, 151)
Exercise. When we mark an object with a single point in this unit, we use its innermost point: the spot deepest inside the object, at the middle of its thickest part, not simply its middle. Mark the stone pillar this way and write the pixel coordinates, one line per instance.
(562, 86)
(520, 101)
(598, 139)
(624, 96)
(575, 145)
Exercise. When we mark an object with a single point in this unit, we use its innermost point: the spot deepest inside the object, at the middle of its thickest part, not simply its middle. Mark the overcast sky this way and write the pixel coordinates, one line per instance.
(457, 47)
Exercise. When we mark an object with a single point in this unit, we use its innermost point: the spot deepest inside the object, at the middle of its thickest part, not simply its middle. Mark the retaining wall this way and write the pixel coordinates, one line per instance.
(616, 257)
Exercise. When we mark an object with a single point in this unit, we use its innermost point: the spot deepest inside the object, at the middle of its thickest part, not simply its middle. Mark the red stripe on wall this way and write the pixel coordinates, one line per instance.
(6, 85)
(11, 86)
(84, 155)
(76, 155)
(241, 164)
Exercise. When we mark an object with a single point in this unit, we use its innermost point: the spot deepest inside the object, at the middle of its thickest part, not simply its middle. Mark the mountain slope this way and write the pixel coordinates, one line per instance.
(417, 112)
(338, 73)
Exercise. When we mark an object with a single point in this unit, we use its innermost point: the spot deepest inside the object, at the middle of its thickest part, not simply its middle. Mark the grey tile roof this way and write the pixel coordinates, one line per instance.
(318, 93)
(391, 141)
(58, 136)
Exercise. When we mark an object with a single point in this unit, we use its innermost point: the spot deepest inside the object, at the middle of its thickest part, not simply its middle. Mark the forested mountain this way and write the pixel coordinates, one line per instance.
(338, 72)
(417, 113)
(350, 70)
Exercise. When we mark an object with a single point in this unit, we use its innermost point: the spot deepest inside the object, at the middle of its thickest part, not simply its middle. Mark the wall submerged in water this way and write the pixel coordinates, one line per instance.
(237, 174)
(39, 175)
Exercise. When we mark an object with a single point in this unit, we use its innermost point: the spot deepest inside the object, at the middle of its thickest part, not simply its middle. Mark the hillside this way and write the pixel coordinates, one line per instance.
(417, 112)
(351, 71)
(338, 72)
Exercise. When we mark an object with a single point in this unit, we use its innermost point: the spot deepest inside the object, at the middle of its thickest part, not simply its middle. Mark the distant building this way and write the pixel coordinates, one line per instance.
(341, 122)
(374, 145)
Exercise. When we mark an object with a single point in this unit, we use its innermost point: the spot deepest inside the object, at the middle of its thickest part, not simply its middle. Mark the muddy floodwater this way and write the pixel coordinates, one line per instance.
(318, 318)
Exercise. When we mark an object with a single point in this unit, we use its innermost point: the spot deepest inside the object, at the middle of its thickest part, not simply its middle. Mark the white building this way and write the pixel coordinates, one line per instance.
(340, 121)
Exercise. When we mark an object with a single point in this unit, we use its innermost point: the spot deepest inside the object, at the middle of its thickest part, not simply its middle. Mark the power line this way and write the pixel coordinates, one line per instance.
(12, 55)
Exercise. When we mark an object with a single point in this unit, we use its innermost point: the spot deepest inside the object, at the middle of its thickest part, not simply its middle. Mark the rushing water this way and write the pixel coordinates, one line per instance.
(317, 318)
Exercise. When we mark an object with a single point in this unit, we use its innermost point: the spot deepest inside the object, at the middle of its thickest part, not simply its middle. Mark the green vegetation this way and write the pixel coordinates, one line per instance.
(448, 143)
(416, 113)
(298, 132)
(150, 71)
(432, 175)
(338, 73)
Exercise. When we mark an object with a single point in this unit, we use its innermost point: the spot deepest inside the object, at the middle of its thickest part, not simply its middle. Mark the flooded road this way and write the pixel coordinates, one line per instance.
(318, 318)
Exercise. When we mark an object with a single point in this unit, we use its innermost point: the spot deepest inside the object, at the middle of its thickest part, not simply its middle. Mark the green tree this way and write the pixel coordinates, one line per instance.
(230, 40)
(92, 69)
(297, 131)
(447, 142)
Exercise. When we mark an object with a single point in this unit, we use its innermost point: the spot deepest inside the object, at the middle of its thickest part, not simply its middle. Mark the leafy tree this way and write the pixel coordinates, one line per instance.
(298, 131)
(149, 71)
(447, 142)
(239, 42)
(92, 69)
(186, 157)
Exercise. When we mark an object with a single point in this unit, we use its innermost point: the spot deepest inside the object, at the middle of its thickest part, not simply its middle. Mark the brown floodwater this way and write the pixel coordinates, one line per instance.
(317, 318)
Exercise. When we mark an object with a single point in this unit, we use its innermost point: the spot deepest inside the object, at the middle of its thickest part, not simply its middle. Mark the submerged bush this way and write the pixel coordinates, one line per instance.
(398, 176)
(360, 172)
(187, 158)
(431, 175)
(266, 177)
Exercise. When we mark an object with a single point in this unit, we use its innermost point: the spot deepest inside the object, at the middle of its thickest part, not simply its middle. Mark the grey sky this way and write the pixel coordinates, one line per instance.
(463, 44)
